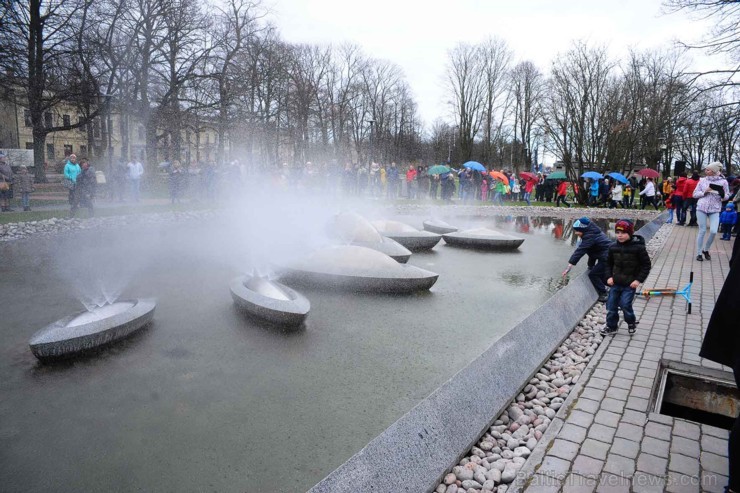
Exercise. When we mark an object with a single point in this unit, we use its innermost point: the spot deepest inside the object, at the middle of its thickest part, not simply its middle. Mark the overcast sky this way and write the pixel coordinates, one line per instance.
(416, 34)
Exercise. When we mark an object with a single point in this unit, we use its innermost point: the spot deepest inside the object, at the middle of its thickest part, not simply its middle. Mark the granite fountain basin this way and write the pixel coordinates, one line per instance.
(353, 229)
(438, 226)
(357, 268)
(269, 300)
(89, 330)
(408, 236)
(483, 238)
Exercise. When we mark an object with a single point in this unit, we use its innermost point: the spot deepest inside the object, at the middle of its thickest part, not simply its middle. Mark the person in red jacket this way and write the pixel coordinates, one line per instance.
(677, 199)
(562, 194)
(411, 182)
(689, 202)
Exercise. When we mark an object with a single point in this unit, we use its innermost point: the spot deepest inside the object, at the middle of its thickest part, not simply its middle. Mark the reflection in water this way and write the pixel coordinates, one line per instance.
(549, 284)
(561, 229)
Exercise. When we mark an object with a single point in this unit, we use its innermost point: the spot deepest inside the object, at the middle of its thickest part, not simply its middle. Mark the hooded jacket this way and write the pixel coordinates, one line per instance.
(628, 261)
(594, 243)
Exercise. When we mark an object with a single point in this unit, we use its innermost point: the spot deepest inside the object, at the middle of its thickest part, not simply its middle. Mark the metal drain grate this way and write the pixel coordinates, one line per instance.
(696, 394)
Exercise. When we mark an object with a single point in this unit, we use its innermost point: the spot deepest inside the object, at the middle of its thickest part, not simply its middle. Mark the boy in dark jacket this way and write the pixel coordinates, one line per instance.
(627, 266)
(595, 244)
(727, 220)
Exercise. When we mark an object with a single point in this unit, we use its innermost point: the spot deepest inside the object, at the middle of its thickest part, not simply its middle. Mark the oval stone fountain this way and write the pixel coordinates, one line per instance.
(357, 269)
(408, 236)
(355, 230)
(89, 330)
(269, 300)
(483, 238)
(438, 226)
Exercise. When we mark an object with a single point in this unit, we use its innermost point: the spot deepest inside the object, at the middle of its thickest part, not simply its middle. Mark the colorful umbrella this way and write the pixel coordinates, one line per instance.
(619, 177)
(529, 176)
(439, 169)
(557, 175)
(497, 175)
(475, 166)
(648, 173)
(592, 175)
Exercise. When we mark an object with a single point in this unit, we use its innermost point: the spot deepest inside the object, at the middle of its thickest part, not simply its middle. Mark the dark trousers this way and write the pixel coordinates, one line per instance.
(678, 204)
(597, 275)
(620, 297)
(649, 200)
(689, 204)
(561, 198)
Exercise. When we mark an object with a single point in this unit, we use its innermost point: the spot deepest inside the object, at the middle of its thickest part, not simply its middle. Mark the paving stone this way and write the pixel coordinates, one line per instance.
(554, 467)
(625, 448)
(598, 383)
(713, 483)
(661, 418)
(594, 448)
(641, 392)
(634, 417)
(539, 483)
(715, 432)
(621, 383)
(683, 464)
(713, 444)
(686, 429)
(575, 483)
(637, 404)
(657, 430)
(643, 482)
(607, 418)
(681, 483)
(651, 464)
(714, 463)
(617, 393)
(624, 374)
(684, 446)
(629, 431)
(601, 433)
(586, 405)
(613, 483)
(602, 373)
(588, 467)
(643, 382)
(564, 449)
(573, 433)
(580, 418)
(612, 405)
(593, 394)
(621, 466)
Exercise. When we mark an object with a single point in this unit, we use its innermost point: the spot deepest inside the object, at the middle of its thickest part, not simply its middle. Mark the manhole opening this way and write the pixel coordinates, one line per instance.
(697, 394)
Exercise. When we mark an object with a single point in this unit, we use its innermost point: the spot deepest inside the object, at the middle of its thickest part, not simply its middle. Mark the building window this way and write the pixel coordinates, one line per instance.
(83, 150)
(29, 145)
(48, 119)
(27, 118)
(68, 149)
(80, 119)
(66, 121)
(50, 152)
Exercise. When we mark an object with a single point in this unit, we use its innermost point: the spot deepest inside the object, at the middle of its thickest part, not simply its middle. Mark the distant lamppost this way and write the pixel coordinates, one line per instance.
(664, 155)
(372, 126)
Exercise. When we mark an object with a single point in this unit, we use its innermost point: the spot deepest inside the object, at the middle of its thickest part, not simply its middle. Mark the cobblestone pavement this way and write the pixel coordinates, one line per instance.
(609, 439)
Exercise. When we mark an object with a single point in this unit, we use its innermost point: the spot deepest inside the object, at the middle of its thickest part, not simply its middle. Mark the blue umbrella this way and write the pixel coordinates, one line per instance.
(593, 175)
(475, 165)
(619, 177)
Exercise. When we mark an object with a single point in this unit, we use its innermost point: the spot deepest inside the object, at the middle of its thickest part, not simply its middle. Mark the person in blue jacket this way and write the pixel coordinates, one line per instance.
(727, 220)
(595, 244)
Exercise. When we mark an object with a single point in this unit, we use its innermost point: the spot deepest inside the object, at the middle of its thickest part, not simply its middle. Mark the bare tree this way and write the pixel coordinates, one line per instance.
(494, 58)
(527, 90)
(466, 85)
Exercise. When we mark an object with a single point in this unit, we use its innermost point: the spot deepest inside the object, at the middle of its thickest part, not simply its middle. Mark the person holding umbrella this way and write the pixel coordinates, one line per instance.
(649, 193)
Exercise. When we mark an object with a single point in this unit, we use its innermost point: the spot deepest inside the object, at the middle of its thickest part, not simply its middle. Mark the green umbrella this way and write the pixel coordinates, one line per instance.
(558, 175)
(439, 169)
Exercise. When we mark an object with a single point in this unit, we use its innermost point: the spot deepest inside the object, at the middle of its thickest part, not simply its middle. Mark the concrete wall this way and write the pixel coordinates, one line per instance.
(416, 451)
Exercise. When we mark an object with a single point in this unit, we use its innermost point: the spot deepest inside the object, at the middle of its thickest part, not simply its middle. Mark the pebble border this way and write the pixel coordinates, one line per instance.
(500, 457)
